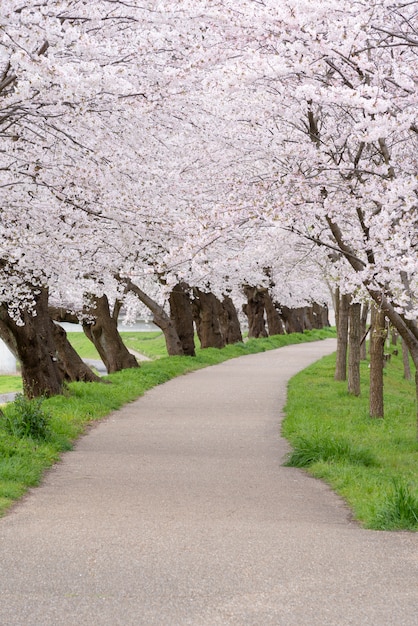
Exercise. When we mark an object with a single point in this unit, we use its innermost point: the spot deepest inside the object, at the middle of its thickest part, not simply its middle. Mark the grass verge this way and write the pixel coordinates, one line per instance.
(23, 460)
(371, 463)
(10, 383)
(150, 344)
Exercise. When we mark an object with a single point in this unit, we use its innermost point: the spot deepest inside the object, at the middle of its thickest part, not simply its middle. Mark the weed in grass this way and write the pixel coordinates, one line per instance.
(399, 511)
(311, 450)
(27, 418)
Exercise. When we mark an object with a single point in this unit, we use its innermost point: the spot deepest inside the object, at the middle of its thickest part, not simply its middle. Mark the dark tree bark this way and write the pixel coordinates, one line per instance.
(60, 314)
(405, 360)
(103, 332)
(342, 338)
(274, 321)
(230, 326)
(206, 310)
(33, 345)
(336, 297)
(354, 350)
(254, 310)
(363, 325)
(377, 348)
(296, 320)
(182, 316)
(319, 315)
(71, 364)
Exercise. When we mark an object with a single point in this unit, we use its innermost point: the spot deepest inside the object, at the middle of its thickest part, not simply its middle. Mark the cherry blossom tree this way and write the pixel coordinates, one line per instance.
(337, 92)
(145, 145)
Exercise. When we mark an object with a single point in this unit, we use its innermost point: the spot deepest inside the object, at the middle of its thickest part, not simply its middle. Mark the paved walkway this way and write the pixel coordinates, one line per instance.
(177, 511)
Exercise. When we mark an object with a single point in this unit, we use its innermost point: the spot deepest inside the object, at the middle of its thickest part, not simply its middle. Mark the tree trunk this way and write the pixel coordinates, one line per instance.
(336, 296)
(160, 318)
(325, 316)
(363, 325)
(72, 365)
(394, 335)
(274, 321)
(342, 337)
(319, 315)
(103, 332)
(354, 350)
(377, 348)
(405, 360)
(254, 310)
(60, 314)
(182, 316)
(33, 345)
(206, 309)
(230, 326)
(294, 319)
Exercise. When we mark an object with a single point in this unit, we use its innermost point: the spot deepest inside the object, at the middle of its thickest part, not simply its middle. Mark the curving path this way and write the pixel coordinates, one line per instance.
(176, 511)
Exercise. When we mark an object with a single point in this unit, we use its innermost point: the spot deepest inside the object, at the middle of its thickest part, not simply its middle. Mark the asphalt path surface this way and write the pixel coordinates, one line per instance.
(177, 510)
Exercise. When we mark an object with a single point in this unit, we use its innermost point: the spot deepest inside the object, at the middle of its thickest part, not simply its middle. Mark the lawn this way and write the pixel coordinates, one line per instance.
(372, 463)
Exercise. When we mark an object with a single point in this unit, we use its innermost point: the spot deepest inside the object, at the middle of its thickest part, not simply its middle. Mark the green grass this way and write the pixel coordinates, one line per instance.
(83, 346)
(150, 344)
(371, 463)
(23, 460)
(10, 384)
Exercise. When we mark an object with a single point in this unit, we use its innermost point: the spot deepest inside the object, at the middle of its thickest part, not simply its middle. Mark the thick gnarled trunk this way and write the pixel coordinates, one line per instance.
(254, 310)
(206, 313)
(182, 316)
(319, 316)
(274, 321)
(295, 320)
(33, 345)
(103, 332)
(230, 326)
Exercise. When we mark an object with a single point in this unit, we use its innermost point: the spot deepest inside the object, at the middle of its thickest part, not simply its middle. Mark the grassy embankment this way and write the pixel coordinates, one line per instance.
(24, 459)
(372, 463)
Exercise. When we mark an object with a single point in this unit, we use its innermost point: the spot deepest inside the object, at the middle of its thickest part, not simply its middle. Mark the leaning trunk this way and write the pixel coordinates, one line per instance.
(71, 364)
(182, 316)
(103, 332)
(377, 348)
(354, 350)
(160, 318)
(33, 345)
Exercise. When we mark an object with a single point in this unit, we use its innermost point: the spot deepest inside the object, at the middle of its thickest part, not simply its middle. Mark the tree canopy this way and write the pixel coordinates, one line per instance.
(209, 142)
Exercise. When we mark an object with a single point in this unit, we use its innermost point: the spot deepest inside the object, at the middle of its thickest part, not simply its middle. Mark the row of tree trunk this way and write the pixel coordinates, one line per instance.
(48, 360)
(267, 317)
(354, 323)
